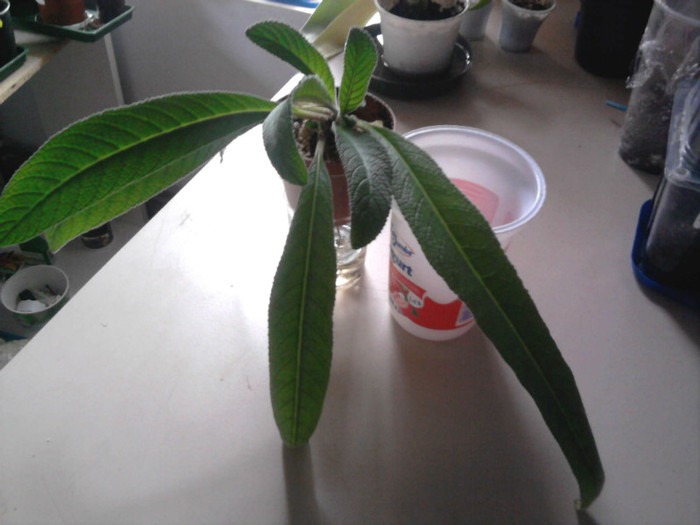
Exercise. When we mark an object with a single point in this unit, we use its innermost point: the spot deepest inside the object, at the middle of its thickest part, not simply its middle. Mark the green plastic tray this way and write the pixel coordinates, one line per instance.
(13, 65)
(87, 34)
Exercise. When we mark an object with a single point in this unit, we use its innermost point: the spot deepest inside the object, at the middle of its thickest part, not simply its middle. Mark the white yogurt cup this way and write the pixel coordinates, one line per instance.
(500, 179)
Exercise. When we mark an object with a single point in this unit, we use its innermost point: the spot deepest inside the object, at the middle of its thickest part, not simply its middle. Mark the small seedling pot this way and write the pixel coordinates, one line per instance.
(32, 278)
(473, 26)
(520, 25)
(374, 109)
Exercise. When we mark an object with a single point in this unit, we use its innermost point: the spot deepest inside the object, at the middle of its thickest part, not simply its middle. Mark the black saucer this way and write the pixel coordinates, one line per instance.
(387, 82)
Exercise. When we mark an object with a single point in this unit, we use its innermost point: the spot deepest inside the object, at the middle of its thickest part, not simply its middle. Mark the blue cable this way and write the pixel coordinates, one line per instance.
(300, 3)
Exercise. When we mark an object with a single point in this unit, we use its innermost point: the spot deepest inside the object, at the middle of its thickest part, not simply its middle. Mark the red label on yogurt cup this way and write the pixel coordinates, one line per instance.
(437, 309)
(412, 302)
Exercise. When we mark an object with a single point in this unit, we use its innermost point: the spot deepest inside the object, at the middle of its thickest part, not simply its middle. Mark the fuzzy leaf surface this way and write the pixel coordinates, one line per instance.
(105, 165)
(360, 61)
(278, 135)
(368, 171)
(301, 312)
(459, 244)
(311, 93)
(289, 45)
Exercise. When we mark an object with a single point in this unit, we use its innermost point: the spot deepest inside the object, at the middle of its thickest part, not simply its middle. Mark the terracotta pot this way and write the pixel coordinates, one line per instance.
(349, 260)
(374, 109)
(61, 12)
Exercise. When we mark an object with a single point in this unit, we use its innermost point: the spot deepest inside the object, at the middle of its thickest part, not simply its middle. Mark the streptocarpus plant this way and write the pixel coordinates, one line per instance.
(101, 167)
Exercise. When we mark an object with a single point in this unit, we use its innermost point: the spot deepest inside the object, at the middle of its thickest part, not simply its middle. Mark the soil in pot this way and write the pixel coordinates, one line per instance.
(431, 11)
(533, 5)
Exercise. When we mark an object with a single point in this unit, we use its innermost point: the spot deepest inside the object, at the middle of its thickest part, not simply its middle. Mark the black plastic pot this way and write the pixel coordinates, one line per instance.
(24, 7)
(110, 9)
(8, 49)
(99, 237)
(609, 32)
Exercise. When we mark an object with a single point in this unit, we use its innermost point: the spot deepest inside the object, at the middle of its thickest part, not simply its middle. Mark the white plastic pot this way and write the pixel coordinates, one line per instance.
(417, 47)
(473, 26)
(35, 277)
(519, 26)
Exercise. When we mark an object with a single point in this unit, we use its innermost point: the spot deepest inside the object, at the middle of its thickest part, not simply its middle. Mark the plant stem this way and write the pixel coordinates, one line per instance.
(313, 112)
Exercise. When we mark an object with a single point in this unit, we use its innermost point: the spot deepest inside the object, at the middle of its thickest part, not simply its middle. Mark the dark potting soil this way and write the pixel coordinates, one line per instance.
(673, 247)
(429, 11)
(646, 127)
(532, 5)
(306, 132)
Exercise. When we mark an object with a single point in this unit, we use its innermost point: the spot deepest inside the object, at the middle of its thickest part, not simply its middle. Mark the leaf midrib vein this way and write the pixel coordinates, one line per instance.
(155, 136)
(514, 330)
(125, 187)
(302, 303)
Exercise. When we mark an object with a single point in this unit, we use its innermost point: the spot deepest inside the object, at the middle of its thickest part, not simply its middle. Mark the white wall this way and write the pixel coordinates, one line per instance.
(168, 46)
(184, 45)
(75, 83)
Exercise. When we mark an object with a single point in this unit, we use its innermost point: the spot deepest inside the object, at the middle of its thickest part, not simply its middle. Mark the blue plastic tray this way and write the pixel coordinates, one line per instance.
(682, 296)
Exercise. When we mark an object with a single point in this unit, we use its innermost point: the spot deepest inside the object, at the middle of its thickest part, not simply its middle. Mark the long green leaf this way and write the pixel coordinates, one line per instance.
(289, 45)
(368, 173)
(459, 244)
(103, 166)
(278, 134)
(311, 95)
(360, 61)
(328, 25)
(301, 312)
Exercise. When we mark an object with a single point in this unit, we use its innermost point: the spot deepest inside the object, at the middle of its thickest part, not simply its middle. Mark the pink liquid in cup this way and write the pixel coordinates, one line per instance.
(420, 300)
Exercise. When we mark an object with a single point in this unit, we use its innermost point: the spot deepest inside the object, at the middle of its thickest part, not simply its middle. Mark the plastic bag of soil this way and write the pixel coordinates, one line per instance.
(668, 53)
